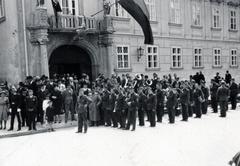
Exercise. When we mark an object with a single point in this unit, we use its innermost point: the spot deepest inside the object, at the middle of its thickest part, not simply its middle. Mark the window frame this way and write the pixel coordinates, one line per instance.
(3, 16)
(177, 55)
(152, 54)
(198, 55)
(120, 9)
(68, 9)
(218, 59)
(122, 55)
(216, 18)
(175, 11)
(232, 20)
(233, 55)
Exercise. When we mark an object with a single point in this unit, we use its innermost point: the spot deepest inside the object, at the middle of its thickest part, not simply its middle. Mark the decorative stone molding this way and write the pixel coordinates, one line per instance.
(39, 26)
(105, 40)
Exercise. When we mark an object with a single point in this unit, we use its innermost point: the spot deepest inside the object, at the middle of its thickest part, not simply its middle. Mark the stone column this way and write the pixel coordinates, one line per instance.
(39, 39)
(44, 59)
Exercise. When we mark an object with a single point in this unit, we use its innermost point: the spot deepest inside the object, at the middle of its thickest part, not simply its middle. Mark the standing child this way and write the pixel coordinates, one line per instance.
(50, 115)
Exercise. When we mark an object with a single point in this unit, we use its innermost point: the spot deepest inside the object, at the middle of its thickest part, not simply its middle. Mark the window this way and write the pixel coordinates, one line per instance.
(233, 57)
(216, 57)
(119, 11)
(198, 57)
(233, 20)
(176, 57)
(216, 18)
(70, 7)
(122, 57)
(152, 57)
(175, 11)
(2, 11)
(152, 9)
(196, 13)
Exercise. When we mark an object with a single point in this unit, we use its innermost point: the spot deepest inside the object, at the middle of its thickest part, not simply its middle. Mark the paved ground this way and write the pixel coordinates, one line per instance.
(211, 141)
(40, 128)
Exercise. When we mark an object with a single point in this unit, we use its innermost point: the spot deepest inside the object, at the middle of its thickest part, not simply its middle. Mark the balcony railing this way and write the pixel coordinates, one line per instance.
(68, 22)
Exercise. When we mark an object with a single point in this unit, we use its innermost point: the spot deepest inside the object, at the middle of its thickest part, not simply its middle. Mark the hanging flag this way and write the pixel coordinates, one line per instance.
(56, 6)
(138, 10)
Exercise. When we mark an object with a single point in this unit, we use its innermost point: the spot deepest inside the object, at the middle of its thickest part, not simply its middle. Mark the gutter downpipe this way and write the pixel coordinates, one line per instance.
(25, 38)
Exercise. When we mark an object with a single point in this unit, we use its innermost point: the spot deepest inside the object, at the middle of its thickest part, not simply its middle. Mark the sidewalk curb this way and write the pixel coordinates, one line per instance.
(26, 133)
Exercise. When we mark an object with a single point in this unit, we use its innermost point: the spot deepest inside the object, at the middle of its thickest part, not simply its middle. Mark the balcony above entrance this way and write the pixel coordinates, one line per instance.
(71, 23)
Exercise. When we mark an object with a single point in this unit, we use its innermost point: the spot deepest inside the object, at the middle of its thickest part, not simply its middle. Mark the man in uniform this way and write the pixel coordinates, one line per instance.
(81, 109)
(31, 106)
(160, 102)
(15, 101)
(233, 94)
(132, 103)
(222, 96)
(184, 100)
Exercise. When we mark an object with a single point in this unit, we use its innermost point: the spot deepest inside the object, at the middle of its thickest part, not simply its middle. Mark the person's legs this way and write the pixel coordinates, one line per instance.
(19, 121)
(12, 121)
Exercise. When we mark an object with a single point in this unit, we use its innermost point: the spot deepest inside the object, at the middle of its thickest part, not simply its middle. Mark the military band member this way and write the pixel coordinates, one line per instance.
(14, 107)
(184, 101)
(151, 107)
(233, 93)
(171, 104)
(31, 105)
(222, 96)
(132, 102)
(160, 93)
(81, 109)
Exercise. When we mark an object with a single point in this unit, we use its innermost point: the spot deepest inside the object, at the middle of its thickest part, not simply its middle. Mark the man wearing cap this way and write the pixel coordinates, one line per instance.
(222, 96)
(31, 106)
(233, 94)
(81, 108)
(151, 107)
(15, 103)
(213, 91)
(132, 102)
(205, 91)
(160, 102)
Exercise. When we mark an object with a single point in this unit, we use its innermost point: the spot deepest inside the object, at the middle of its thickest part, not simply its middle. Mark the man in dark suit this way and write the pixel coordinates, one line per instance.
(171, 104)
(233, 93)
(184, 100)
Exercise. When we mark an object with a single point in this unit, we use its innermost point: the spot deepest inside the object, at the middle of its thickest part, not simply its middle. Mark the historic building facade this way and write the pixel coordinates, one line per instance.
(190, 35)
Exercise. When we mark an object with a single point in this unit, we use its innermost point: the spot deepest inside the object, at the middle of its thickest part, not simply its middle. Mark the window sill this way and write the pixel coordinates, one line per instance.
(123, 70)
(217, 67)
(176, 68)
(233, 30)
(216, 29)
(2, 19)
(200, 67)
(175, 24)
(234, 67)
(120, 18)
(196, 27)
(153, 69)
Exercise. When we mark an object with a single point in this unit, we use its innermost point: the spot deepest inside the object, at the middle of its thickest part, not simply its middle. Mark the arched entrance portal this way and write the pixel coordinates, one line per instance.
(70, 59)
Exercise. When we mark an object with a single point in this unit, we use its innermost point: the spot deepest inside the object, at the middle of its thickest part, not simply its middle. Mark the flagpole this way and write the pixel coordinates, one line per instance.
(104, 9)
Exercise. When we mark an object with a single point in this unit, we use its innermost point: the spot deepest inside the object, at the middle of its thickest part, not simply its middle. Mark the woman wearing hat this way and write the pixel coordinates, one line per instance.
(3, 109)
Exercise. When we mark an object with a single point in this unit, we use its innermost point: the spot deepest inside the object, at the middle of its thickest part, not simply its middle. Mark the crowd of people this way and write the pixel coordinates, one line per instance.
(117, 101)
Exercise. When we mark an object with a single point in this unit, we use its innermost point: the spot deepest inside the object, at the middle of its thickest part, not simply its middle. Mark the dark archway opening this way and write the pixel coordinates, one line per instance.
(69, 59)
